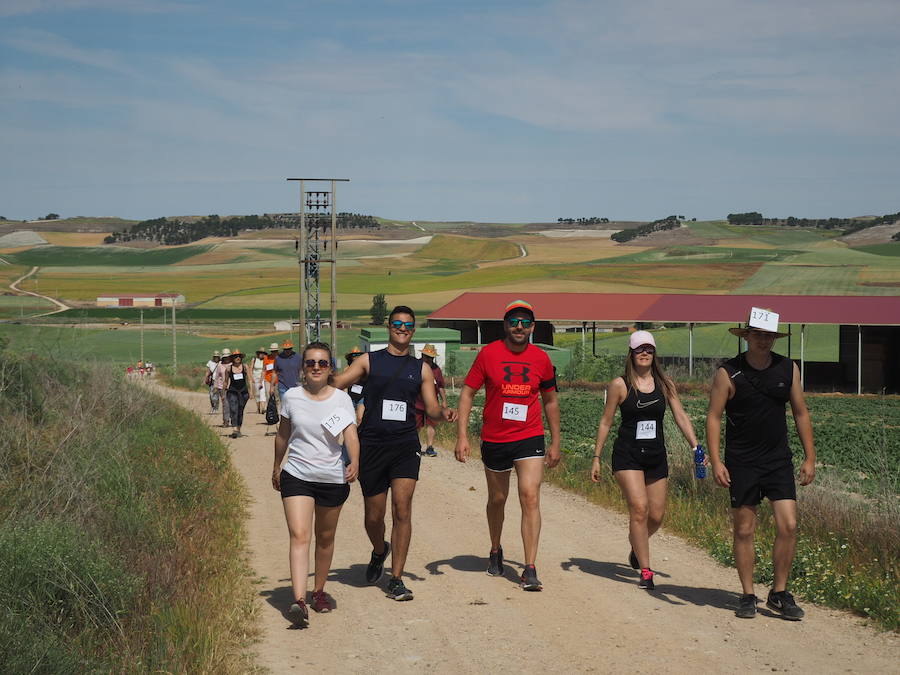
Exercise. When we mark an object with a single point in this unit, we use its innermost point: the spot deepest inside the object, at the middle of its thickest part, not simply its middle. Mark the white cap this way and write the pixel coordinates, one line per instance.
(640, 337)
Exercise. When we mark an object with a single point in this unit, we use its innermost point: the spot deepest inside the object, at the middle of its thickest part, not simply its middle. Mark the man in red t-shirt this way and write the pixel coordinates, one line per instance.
(514, 372)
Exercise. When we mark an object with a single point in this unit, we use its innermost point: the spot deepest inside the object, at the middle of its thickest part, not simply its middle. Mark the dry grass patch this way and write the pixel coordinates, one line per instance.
(74, 238)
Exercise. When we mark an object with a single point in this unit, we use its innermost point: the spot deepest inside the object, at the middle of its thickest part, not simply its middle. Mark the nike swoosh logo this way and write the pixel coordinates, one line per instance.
(644, 405)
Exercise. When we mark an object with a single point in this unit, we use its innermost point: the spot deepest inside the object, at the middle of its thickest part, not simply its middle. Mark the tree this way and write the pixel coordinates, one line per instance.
(379, 309)
(51, 216)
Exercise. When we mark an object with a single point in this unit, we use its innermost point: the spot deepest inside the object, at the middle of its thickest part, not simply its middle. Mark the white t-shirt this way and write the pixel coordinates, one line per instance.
(211, 365)
(314, 454)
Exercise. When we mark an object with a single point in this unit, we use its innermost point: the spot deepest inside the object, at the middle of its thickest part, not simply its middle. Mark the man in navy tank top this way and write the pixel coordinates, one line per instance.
(752, 390)
(389, 441)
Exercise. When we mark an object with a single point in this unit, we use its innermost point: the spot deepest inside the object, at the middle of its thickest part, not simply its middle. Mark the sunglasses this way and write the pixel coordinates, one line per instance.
(322, 363)
(409, 325)
(649, 349)
(525, 323)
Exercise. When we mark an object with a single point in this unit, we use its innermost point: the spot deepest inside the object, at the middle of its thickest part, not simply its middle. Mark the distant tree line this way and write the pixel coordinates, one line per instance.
(667, 223)
(173, 231)
(593, 220)
(848, 225)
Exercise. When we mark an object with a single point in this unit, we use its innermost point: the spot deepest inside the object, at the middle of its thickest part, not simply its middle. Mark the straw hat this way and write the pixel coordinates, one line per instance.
(287, 344)
(226, 352)
(216, 352)
(429, 350)
(273, 347)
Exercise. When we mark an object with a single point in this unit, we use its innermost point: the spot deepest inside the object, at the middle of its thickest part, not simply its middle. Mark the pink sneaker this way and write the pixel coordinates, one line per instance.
(320, 602)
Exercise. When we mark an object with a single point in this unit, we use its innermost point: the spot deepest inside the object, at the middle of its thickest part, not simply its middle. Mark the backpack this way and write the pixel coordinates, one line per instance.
(271, 410)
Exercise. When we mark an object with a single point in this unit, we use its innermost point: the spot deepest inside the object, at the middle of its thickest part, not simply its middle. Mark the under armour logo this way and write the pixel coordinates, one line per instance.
(510, 373)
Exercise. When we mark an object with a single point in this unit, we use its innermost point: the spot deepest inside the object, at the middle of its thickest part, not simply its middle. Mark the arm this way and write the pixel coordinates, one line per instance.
(615, 394)
(722, 390)
(248, 373)
(466, 395)
(351, 441)
(551, 411)
(281, 444)
(682, 420)
(804, 429)
(429, 396)
(352, 373)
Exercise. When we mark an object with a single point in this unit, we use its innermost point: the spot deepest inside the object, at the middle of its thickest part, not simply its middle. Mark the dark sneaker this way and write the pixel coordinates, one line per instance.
(633, 561)
(299, 614)
(647, 580)
(746, 607)
(320, 602)
(529, 581)
(783, 603)
(430, 451)
(375, 569)
(495, 563)
(397, 591)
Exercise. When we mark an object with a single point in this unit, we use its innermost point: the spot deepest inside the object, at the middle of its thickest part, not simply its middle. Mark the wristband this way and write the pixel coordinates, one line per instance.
(597, 457)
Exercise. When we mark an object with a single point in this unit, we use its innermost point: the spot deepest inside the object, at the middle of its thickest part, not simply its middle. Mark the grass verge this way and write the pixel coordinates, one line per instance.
(121, 537)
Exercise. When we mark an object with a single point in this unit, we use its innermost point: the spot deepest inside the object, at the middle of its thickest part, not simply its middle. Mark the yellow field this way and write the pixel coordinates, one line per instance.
(74, 238)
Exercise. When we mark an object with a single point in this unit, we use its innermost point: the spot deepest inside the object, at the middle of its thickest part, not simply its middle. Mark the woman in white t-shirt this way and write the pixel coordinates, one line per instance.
(314, 482)
(257, 368)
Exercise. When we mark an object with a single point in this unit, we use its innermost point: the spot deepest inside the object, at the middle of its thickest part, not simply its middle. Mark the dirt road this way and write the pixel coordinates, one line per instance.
(591, 617)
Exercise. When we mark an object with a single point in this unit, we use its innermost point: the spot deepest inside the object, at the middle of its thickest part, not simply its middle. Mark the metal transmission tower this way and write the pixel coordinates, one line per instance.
(312, 252)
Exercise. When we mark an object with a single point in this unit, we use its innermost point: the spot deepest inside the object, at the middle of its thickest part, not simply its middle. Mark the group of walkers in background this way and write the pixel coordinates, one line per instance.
(364, 423)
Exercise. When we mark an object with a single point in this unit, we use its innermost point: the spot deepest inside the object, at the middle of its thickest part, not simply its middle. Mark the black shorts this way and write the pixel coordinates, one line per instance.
(654, 463)
(749, 484)
(380, 464)
(324, 494)
(500, 456)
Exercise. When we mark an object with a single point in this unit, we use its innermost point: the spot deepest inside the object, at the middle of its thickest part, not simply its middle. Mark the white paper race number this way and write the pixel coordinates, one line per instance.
(356, 388)
(646, 430)
(336, 422)
(515, 411)
(237, 376)
(270, 366)
(764, 319)
(393, 410)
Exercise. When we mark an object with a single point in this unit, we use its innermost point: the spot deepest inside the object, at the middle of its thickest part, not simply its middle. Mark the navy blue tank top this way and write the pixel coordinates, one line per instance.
(393, 380)
(642, 416)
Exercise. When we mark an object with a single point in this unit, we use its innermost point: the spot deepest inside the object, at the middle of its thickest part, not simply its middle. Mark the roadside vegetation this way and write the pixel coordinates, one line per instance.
(847, 551)
(121, 540)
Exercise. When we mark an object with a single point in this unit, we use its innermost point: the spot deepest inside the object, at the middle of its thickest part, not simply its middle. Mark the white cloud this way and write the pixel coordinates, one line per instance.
(23, 7)
(44, 43)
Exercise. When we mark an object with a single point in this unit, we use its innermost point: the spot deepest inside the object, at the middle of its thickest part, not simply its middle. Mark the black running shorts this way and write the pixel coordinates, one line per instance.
(500, 456)
(749, 485)
(655, 464)
(380, 464)
(324, 494)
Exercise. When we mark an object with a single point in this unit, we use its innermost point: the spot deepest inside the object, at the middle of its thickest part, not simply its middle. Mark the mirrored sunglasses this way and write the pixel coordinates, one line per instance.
(409, 325)
(322, 363)
(525, 323)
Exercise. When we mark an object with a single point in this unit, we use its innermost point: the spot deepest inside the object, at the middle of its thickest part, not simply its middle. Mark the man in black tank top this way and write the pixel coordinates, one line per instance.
(752, 390)
(389, 441)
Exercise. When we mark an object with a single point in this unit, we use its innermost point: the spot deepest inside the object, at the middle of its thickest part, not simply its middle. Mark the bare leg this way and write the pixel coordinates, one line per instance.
(402, 490)
(529, 473)
(298, 511)
(744, 518)
(498, 491)
(785, 511)
(429, 435)
(634, 489)
(375, 508)
(326, 525)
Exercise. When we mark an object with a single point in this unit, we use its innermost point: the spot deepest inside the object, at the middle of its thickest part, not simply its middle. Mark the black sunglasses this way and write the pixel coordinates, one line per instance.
(322, 363)
(650, 349)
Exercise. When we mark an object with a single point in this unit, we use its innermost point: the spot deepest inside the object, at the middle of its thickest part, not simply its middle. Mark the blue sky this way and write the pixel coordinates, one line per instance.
(513, 111)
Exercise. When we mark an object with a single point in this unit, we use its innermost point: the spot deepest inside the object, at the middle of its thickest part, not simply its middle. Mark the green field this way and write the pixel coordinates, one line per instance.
(92, 256)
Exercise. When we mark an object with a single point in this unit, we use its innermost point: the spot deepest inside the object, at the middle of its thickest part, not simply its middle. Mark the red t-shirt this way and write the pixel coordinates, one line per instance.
(513, 382)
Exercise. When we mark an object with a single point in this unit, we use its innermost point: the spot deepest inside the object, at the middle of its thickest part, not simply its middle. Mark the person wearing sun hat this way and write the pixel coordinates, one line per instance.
(429, 354)
(518, 378)
(287, 368)
(269, 368)
(639, 458)
(219, 382)
(209, 381)
(238, 385)
(257, 367)
(752, 390)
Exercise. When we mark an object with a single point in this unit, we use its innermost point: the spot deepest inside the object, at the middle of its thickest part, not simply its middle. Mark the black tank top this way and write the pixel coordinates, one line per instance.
(642, 415)
(755, 422)
(392, 380)
(237, 385)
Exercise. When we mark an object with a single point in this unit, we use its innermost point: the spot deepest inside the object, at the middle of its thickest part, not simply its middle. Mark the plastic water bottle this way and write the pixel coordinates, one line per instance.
(699, 466)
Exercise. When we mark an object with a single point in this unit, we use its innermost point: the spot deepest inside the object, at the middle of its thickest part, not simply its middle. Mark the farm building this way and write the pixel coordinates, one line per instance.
(141, 300)
(869, 326)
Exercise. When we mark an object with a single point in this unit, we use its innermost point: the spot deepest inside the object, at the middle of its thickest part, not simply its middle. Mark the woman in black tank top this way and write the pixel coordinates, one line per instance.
(238, 384)
(639, 461)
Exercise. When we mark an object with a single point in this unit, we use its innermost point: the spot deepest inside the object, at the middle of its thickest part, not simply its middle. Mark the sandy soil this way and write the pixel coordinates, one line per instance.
(591, 617)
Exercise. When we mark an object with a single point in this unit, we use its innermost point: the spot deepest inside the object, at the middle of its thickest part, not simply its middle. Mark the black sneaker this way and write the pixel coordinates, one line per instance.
(647, 580)
(633, 561)
(529, 580)
(495, 563)
(397, 591)
(299, 614)
(375, 568)
(746, 607)
(430, 451)
(783, 603)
